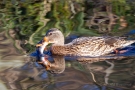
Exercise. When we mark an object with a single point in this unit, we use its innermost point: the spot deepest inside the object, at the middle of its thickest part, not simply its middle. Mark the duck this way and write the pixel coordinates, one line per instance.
(93, 46)
(58, 65)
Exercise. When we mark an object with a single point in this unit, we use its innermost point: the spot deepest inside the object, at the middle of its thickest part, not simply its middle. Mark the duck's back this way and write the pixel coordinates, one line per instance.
(95, 46)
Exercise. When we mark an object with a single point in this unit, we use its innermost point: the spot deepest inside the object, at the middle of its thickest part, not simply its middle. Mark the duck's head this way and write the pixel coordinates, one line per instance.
(54, 36)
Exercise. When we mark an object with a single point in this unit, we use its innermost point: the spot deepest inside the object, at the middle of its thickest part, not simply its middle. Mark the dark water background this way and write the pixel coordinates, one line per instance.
(24, 22)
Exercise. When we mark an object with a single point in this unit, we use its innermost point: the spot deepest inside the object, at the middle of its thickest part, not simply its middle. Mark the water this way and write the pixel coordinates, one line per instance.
(23, 23)
(20, 71)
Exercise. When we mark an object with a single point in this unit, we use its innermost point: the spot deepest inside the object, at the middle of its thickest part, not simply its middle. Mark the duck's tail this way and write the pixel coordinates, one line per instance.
(128, 42)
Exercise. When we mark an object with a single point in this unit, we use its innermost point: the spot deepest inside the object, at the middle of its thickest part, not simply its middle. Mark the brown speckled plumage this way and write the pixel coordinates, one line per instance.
(85, 46)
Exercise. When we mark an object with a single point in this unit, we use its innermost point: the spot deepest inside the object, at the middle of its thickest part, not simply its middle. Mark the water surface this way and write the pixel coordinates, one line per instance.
(20, 71)
(23, 24)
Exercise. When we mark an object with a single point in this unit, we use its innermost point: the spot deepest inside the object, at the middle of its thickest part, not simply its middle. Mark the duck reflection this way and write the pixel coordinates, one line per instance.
(58, 64)
(33, 75)
(97, 59)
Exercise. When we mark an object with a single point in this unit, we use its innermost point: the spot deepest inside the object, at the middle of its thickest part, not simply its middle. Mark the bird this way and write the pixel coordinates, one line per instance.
(58, 66)
(93, 46)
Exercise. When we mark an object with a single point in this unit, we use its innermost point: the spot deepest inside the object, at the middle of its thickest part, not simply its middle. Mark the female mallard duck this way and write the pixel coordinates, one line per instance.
(57, 66)
(84, 46)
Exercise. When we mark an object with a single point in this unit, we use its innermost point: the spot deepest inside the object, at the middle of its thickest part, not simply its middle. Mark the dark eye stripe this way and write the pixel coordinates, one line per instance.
(50, 31)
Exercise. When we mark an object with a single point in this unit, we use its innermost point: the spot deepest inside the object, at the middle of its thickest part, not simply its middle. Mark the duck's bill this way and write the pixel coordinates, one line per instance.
(45, 39)
(44, 42)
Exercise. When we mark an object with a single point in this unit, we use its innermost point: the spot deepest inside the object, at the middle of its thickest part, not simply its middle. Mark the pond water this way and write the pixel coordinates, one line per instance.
(24, 22)
(21, 71)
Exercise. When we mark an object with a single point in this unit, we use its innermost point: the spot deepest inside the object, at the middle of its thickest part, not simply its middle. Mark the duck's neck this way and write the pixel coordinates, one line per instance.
(59, 42)
(59, 50)
(58, 47)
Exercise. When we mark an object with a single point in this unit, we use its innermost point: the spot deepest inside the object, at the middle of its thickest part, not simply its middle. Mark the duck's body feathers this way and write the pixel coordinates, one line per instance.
(91, 46)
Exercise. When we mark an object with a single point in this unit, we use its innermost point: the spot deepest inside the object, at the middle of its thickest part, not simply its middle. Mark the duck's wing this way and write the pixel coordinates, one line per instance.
(88, 41)
(84, 40)
(97, 46)
(118, 42)
(111, 41)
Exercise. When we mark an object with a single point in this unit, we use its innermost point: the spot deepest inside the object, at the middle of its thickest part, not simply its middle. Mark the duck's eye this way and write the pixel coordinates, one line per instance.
(50, 33)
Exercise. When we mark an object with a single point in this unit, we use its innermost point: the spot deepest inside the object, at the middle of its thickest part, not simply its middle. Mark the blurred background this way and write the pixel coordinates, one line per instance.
(26, 21)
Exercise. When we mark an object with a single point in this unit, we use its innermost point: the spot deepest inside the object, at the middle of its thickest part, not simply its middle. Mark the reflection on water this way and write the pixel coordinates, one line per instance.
(28, 20)
(18, 71)
(58, 65)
